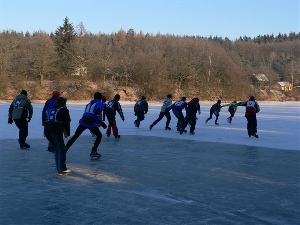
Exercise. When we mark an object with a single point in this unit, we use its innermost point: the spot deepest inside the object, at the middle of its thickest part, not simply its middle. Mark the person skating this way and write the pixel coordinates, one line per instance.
(140, 109)
(20, 112)
(177, 108)
(231, 109)
(102, 115)
(90, 120)
(191, 118)
(252, 108)
(215, 109)
(57, 125)
(48, 105)
(112, 107)
(164, 112)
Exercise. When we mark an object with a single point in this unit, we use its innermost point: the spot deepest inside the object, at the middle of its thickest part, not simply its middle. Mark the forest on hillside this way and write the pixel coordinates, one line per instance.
(78, 63)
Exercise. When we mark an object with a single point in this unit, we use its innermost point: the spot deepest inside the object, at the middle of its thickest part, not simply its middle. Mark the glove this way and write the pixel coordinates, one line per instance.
(10, 121)
(199, 112)
(102, 124)
(123, 119)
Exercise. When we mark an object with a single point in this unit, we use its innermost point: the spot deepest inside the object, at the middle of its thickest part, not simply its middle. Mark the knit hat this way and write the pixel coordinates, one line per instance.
(55, 94)
(169, 96)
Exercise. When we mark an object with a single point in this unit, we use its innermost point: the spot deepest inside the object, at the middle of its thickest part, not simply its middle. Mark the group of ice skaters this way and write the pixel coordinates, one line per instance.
(56, 119)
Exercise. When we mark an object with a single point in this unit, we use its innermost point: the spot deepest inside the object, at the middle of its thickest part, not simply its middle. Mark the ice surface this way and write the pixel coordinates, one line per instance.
(217, 176)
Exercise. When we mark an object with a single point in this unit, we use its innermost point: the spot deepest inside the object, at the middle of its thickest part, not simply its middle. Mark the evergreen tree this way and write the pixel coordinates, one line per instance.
(65, 41)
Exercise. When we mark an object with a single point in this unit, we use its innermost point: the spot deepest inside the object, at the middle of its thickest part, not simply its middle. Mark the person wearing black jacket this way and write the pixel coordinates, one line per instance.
(191, 111)
(111, 108)
(57, 126)
(215, 109)
(140, 109)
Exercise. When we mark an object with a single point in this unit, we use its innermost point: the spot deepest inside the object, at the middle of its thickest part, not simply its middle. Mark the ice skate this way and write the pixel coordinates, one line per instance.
(151, 126)
(167, 128)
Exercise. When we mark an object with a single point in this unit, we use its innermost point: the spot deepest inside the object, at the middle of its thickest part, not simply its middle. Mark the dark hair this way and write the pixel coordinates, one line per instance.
(169, 96)
(60, 102)
(219, 101)
(98, 96)
(143, 97)
(24, 92)
(117, 97)
(183, 98)
(197, 99)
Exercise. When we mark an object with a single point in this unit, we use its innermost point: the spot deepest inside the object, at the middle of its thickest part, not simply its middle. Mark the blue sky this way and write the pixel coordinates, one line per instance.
(223, 18)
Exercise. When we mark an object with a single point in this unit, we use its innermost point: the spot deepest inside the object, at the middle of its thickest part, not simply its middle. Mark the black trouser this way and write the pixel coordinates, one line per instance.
(211, 112)
(140, 116)
(190, 119)
(78, 132)
(22, 124)
(252, 124)
(161, 115)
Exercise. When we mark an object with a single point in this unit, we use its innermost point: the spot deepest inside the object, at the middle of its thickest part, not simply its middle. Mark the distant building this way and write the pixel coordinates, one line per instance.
(285, 86)
(259, 79)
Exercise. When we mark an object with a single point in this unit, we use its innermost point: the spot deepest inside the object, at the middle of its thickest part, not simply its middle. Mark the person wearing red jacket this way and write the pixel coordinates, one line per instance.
(252, 108)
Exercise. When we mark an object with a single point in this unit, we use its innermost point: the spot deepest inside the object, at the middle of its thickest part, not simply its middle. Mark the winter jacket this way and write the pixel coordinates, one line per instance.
(166, 104)
(232, 105)
(193, 107)
(20, 108)
(216, 107)
(48, 105)
(252, 106)
(58, 120)
(114, 106)
(92, 115)
(179, 105)
(141, 105)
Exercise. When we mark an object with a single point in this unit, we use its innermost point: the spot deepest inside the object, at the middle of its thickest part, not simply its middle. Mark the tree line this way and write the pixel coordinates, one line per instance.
(147, 64)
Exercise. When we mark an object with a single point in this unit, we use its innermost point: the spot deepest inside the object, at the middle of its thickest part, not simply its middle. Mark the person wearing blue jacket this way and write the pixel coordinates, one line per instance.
(49, 105)
(177, 108)
(90, 120)
(57, 125)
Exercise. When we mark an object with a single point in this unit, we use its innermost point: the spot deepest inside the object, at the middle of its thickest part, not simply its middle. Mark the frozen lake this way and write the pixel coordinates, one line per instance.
(217, 176)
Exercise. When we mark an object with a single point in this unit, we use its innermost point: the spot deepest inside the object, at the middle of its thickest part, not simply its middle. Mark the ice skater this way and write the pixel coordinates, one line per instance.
(112, 107)
(215, 109)
(164, 112)
(57, 125)
(90, 120)
(177, 108)
(191, 118)
(20, 112)
(252, 108)
(49, 105)
(231, 109)
(140, 109)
